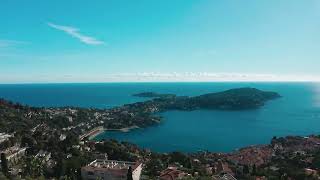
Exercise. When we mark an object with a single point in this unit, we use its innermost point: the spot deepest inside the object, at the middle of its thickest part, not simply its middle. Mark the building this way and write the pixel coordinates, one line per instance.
(92, 133)
(223, 177)
(4, 137)
(44, 155)
(223, 167)
(171, 173)
(14, 154)
(110, 170)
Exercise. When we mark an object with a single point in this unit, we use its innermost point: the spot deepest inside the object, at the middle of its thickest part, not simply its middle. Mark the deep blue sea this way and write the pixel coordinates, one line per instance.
(296, 113)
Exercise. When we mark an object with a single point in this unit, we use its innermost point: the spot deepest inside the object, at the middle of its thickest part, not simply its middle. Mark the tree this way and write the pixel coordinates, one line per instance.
(4, 163)
(246, 169)
(60, 168)
(254, 169)
(316, 160)
(33, 167)
(129, 174)
(181, 158)
(3, 177)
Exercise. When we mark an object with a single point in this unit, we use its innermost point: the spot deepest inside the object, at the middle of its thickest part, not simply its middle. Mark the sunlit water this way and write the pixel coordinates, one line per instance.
(296, 113)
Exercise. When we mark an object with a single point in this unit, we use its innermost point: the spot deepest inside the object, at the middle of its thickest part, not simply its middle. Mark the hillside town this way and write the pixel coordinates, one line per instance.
(287, 158)
(58, 143)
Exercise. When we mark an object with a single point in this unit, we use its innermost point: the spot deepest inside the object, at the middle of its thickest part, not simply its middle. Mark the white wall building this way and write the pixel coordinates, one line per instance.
(110, 170)
(4, 137)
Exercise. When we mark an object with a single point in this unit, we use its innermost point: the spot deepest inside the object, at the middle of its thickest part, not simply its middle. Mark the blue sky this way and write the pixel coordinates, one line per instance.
(143, 40)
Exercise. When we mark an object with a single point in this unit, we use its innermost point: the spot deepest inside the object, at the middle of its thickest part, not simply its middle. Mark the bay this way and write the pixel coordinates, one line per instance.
(296, 113)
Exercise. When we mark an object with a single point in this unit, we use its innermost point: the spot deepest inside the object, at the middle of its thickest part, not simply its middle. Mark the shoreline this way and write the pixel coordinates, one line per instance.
(92, 133)
(126, 129)
(99, 130)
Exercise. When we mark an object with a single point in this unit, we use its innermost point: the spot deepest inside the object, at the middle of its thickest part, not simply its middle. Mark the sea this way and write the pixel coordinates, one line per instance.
(297, 112)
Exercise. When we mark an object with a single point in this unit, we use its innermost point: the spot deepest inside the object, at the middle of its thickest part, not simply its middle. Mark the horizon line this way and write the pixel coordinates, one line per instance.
(119, 82)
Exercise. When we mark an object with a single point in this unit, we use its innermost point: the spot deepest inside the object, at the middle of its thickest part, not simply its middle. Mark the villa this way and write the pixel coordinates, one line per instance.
(110, 170)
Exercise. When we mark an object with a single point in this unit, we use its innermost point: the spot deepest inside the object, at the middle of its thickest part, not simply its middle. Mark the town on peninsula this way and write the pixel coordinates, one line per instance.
(58, 143)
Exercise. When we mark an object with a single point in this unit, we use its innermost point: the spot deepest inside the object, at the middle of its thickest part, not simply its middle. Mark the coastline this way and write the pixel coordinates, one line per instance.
(99, 130)
(126, 129)
(123, 130)
(92, 133)
(119, 128)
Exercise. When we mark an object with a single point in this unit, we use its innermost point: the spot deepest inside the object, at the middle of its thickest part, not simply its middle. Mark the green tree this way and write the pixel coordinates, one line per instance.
(129, 174)
(246, 169)
(4, 163)
(33, 167)
(254, 170)
(316, 160)
(3, 177)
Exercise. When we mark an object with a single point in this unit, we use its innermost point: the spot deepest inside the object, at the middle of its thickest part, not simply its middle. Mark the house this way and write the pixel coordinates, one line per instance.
(4, 137)
(14, 154)
(171, 173)
(44, 155)
(223, 167)
(110, 170)
(223, 177)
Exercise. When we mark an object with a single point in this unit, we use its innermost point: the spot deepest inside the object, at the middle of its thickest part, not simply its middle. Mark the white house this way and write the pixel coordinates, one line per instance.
(110, 170)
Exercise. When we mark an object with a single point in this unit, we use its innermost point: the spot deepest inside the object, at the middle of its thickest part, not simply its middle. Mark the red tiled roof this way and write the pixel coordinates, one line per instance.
(170, 174)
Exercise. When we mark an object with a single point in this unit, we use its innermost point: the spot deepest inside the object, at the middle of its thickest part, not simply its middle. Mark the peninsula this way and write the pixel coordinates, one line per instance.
(57, 141)
(140, 114)
(233, 99)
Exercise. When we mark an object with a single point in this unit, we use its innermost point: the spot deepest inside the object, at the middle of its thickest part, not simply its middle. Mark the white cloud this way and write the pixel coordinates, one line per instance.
(204, 77)
(157, 77)
(75, 32)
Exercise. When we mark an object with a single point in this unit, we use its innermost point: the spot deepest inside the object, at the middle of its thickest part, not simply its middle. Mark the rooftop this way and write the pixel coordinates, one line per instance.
(111, 165)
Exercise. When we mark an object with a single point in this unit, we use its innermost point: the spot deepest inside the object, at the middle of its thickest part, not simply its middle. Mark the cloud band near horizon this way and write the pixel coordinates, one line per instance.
(159, 77)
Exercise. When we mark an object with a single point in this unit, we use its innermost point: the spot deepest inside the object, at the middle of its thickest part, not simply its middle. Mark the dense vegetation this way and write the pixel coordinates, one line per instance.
(242, 98)
(233, 99)
(56, 131)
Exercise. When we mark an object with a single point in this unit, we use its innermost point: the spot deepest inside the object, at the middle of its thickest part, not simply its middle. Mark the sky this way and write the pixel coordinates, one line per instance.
(159, 40)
